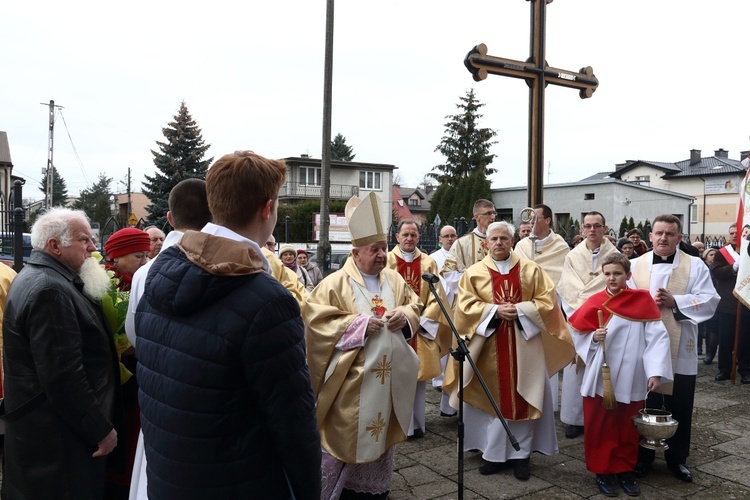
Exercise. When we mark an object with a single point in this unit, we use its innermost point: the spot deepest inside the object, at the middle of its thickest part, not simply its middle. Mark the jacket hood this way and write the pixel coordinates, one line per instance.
(199, 271)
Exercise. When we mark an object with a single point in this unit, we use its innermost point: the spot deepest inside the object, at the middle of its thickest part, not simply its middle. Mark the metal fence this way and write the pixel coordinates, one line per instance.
(15, 246)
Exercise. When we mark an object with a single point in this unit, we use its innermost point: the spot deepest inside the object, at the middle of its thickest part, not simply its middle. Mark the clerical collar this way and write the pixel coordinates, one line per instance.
(501, 261)
(408, 256)
(658, 259)
(479, 233)
(372, 283)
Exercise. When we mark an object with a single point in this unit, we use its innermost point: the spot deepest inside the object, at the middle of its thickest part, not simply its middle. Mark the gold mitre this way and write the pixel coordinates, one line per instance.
(363, 218)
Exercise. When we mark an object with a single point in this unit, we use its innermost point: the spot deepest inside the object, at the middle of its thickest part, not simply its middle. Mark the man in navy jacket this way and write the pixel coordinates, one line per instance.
(227, 410)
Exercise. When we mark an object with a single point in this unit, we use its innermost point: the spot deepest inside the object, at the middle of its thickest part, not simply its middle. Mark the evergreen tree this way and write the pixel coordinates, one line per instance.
(96, 201)
(631, 223)
(454, 202)
(623, 226)
(339, 149)
(466, 147)
(59, 189)
(180, 157)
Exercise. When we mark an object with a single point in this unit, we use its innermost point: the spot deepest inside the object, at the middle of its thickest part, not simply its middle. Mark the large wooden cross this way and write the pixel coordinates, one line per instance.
(537, 74)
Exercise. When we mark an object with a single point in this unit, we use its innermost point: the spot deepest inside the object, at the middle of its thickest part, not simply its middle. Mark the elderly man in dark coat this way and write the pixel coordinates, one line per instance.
(61, 370)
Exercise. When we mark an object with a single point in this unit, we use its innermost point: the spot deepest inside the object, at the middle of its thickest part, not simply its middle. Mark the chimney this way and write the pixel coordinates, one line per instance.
(427, 188)
(744, 154)
(721, 153)
(304, 155)
(695, 156)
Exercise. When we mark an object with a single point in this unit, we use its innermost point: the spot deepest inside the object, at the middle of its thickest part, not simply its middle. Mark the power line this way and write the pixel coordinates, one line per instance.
(75, 151)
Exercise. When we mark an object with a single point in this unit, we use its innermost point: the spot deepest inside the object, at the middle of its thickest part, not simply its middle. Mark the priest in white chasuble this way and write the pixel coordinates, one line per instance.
(549, 249)
(363, 371)
(434, 336)
(469, 249)
(508, 307)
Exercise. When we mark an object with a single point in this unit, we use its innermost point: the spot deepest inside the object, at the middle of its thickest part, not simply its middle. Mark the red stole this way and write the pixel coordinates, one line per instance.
(412, 274)
(506, 288)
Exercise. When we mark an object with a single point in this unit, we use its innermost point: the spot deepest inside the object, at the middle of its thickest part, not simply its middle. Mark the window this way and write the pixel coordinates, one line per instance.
(642, 180)
(370, 180)
(504, 214)
(589, 196)
(693, 214)
(309, 176)
(414, 202)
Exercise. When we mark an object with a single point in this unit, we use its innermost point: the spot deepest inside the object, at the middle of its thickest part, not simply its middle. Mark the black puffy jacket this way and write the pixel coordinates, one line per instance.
(226, 405)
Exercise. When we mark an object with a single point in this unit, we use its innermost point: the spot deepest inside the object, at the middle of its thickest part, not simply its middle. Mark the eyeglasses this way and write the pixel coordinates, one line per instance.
(589, 227)
(488, 214)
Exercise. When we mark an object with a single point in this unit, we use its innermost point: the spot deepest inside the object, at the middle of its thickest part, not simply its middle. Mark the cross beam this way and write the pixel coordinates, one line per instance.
(538, 75)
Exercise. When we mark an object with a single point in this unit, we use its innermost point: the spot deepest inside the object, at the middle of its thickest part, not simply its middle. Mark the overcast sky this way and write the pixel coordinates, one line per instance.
(673, 76)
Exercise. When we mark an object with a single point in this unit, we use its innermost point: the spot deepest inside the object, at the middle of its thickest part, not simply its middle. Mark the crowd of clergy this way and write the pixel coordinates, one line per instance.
(259, 378)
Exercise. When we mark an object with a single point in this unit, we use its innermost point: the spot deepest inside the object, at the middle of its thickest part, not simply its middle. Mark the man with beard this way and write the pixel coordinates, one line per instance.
(682, 288)
(61, 369)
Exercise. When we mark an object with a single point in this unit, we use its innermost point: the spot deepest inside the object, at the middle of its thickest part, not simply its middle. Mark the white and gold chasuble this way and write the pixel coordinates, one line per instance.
(365, 394)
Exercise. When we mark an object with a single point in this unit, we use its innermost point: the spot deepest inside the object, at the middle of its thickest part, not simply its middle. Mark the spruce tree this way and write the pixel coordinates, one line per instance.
(180, 157)
(465, 145)
(59, 189)
(96, 201)
(340, 150)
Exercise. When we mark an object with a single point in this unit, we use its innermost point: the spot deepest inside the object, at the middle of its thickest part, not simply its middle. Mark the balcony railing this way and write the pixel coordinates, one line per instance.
(336, 192)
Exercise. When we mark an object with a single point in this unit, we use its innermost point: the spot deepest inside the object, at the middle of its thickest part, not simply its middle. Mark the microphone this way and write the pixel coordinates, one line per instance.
(430, 278)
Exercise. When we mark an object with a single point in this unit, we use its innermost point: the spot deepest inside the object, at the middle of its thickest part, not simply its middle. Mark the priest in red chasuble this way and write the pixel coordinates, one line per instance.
(639, 359)
(434, 337)
(363, 371)
(508, 307)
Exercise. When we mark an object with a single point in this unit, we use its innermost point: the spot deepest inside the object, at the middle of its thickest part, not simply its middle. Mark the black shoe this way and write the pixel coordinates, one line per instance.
(607, 484)
(418, 434)
(521, 469)
(628, 484)
(681, 472)
(709, 359)
(721, 377)
(641, 469)
(490, 468)
(443, 414)
(573, 431)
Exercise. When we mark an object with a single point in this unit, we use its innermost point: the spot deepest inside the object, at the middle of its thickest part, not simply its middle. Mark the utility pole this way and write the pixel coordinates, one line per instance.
(324, 244)
(49, 172)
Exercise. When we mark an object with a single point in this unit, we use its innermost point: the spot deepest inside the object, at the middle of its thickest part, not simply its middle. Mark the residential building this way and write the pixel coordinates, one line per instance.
(348, 178)
(613, 197)
(418, 201)
(713, 181)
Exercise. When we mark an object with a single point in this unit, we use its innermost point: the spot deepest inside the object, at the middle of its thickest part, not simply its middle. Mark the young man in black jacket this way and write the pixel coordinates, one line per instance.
(227, 410)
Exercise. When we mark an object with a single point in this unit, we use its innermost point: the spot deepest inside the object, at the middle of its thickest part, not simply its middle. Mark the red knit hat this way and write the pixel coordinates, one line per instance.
(300, 251)
(127, 241)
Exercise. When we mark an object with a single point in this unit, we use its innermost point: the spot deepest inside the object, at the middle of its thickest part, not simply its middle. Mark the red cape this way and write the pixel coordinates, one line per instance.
(633, 305)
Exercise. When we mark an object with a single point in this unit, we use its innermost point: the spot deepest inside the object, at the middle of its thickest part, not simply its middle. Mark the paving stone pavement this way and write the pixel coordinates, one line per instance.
(719, 457)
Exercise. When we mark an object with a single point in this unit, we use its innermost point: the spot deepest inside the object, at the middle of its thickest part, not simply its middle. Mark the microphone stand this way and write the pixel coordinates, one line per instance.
(461, 354)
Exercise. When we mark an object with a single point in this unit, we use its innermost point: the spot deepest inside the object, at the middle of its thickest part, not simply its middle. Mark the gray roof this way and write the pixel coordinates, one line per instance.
(601, 181)
(708, 166)
(713, 165)
(4, 150)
